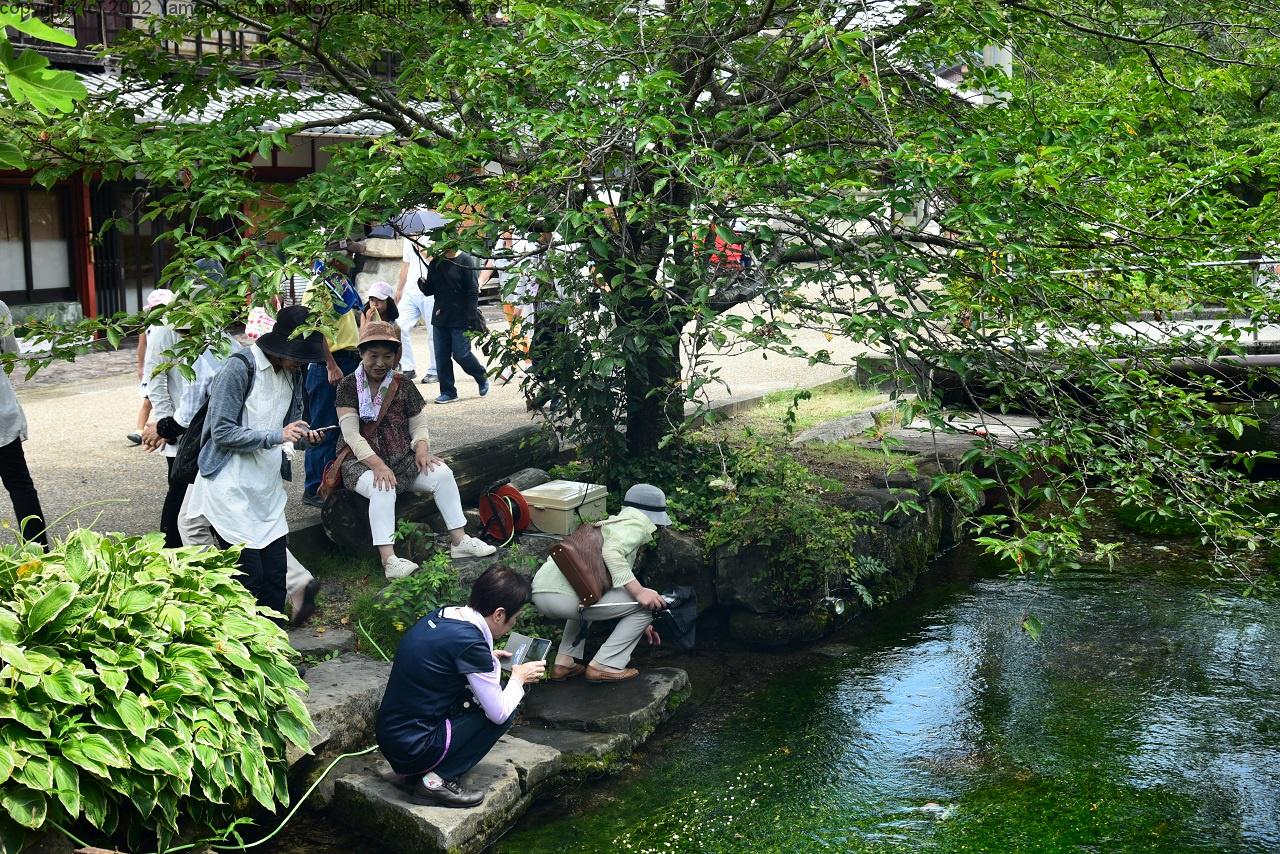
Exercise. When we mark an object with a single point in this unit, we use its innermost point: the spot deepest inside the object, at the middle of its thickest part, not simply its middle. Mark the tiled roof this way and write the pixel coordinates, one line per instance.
(311, 107)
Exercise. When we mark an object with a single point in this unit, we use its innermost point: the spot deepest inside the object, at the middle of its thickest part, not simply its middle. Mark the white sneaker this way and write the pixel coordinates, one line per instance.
(398, 567)
(471, 547)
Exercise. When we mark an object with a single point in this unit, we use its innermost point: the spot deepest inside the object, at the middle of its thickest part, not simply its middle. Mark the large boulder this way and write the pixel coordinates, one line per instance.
(383, 259)
(679, 559)
(739, 573)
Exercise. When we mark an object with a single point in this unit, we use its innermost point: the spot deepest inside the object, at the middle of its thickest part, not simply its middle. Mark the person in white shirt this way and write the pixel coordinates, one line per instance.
(415, 307)
(13, 432)
(255, 407)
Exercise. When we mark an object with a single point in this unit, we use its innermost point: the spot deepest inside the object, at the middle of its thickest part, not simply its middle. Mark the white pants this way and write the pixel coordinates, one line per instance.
(196, 531)
(414, 306)
(439, 484)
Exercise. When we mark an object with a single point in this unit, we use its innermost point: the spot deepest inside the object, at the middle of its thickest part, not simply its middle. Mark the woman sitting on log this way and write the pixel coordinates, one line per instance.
(383, 424)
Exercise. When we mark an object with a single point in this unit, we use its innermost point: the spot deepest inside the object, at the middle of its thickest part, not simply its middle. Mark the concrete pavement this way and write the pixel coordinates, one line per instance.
(88, 474)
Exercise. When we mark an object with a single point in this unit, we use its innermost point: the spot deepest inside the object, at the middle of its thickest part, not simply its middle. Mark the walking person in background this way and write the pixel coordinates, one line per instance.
(330, 295)
(540, 319)
(160, 296)
(13, 432)
(255, 407)
(414, 307)
(453, 278)
(165, 390)
(301, 587)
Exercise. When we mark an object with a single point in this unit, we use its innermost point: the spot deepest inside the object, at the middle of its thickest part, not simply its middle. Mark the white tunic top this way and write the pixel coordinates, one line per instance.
(166, 387)
(13, 423)
(245, 501)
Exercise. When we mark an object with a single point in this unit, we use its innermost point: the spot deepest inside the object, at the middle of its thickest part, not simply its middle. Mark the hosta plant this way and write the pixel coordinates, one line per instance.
(141, 690)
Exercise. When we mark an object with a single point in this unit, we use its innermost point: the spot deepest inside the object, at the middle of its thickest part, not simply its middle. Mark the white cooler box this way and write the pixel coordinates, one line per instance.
(560, 506)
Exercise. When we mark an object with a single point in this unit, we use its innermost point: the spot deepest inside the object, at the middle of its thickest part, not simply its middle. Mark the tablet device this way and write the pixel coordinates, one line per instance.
(524, 648)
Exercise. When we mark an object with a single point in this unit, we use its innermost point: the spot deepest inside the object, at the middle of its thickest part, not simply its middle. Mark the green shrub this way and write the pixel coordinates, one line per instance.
(384, 616)
(140, 687)
(780, 505)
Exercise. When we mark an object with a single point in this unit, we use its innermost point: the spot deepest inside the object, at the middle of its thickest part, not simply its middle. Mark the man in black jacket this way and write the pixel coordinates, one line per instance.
(453, 278)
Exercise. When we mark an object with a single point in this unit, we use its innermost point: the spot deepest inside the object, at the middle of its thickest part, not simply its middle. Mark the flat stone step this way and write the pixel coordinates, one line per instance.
(632, 708)
(317, 643)
(834, 650)
(376, 804)
(583, 753)
(343, 701)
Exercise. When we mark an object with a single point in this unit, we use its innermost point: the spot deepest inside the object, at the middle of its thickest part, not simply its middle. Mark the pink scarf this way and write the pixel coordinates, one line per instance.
(370, 402)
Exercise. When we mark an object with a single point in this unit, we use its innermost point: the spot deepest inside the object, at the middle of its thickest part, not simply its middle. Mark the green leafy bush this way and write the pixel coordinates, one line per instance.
(140, 687)
(383, 617)
(780, 505)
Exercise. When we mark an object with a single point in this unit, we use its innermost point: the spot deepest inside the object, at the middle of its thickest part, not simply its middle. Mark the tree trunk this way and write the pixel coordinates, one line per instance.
(654, 401)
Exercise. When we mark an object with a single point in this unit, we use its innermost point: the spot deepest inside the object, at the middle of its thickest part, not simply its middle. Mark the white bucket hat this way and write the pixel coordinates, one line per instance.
(381, 290)
(650, 501)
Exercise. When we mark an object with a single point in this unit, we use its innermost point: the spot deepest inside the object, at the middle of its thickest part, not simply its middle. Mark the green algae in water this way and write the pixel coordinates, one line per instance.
(1143, 720)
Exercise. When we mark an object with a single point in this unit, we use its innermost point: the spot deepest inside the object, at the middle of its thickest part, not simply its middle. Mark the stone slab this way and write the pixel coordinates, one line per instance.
(631, 708)
(836, 430)
(833, 650)
(920, 438)
(344, 699)
(374, 805)
(580, 752)
(535, 764)
(322, 641)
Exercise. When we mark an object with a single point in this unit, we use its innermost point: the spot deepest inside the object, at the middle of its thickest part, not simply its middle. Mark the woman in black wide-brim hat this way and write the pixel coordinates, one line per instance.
(255, 407)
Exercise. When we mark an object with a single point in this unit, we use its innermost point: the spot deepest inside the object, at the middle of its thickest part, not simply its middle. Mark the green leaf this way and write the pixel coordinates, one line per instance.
(136, 600)
(11, 156)
(33, 26)
(15, 658)
(8, 760)
(96, 802)
(92, 751)
(30, 80)
(1032, 626)
(10, 627)
(50, 605)
(293, 729)
(64, 686)
(66, 785)
(132, 714)
(155, 757)
(24, 806)
(113, 680)
(37, 719)
(36, 773)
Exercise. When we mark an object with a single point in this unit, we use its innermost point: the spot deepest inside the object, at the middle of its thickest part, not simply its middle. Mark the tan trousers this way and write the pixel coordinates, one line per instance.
(617, 604)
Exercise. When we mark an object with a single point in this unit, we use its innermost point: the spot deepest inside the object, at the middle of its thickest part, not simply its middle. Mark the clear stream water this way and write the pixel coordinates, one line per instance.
(1144, 719)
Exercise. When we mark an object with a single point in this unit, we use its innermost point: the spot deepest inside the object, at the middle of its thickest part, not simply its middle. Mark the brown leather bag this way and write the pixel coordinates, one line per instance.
(581, 560)
(331, 479)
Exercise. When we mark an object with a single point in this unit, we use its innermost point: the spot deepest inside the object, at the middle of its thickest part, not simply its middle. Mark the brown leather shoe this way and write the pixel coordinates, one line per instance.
(598, 675)
(561, 672)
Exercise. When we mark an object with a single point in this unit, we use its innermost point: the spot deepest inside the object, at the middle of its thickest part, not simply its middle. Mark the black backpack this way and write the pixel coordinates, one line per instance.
(186, 463)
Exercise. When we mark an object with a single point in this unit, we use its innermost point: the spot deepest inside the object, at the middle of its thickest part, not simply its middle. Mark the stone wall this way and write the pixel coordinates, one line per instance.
(383, 260)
